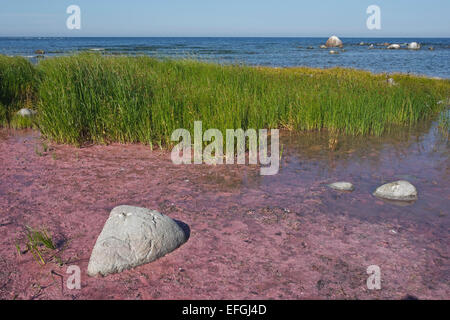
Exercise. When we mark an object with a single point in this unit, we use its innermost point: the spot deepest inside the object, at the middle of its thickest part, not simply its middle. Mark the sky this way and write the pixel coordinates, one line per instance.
(225, 18)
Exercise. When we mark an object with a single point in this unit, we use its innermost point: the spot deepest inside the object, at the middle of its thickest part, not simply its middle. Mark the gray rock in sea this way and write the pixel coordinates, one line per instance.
(413, 46)
(399, 190)
(334, 41)
(131, 237)
(24, 112)
(342, 186)
(39, 52)
(431, 48)
(394, 46)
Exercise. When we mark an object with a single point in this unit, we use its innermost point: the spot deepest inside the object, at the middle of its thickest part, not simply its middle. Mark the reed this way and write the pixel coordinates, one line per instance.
(18, 88)
(91, 98)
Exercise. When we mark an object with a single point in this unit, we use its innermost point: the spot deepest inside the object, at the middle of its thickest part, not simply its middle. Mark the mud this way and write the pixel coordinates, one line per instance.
(251, 237)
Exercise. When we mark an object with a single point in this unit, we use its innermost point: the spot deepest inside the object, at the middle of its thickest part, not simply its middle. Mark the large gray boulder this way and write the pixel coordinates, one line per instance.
(333, 41)
(131, 237)
(399, 190)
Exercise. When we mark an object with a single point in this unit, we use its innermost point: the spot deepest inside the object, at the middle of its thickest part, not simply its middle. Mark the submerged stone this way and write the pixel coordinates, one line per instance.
(399, 190)
(131, 237)
(342, 186)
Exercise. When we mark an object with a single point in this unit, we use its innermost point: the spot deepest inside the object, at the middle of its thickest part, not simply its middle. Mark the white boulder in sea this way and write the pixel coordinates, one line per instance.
(399, 190)
(323, 46)
(342, 186)
(393, 46)
(334, 52)
(24, 112)
(131, 237)
(413, 46)
(333, 41)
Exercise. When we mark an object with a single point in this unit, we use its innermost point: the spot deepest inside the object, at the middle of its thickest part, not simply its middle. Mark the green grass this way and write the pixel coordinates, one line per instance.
(90, 98)
(18, 88)
(444, 122)
(38, 243)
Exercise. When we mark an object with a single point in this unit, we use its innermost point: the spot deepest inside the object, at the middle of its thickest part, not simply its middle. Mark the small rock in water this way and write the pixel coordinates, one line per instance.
(394, 46)
(413, 46)
(323, 46)
(24, 112)
(39, 52)
(334, 52)
(131, 237)
(399, 190)
(342, 186)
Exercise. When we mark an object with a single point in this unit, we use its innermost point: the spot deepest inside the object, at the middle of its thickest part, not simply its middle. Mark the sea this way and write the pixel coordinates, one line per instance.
(432, 60)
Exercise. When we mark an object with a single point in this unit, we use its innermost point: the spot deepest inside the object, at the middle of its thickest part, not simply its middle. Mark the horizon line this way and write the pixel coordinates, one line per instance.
(379, 37)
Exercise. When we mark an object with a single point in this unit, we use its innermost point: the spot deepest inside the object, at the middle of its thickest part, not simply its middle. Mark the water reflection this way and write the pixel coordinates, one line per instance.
(419, 154)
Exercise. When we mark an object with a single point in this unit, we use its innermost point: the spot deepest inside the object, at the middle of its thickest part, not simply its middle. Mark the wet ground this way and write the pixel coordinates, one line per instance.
(251, 237)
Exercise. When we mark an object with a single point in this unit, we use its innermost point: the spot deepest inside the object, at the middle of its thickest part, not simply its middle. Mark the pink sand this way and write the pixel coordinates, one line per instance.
(281, 237)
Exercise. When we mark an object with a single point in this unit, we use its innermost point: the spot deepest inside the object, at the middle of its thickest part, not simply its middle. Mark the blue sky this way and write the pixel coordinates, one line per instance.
(240, 18)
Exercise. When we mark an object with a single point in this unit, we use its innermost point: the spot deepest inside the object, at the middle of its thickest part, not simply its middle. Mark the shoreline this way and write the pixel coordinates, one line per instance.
(283, 237)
